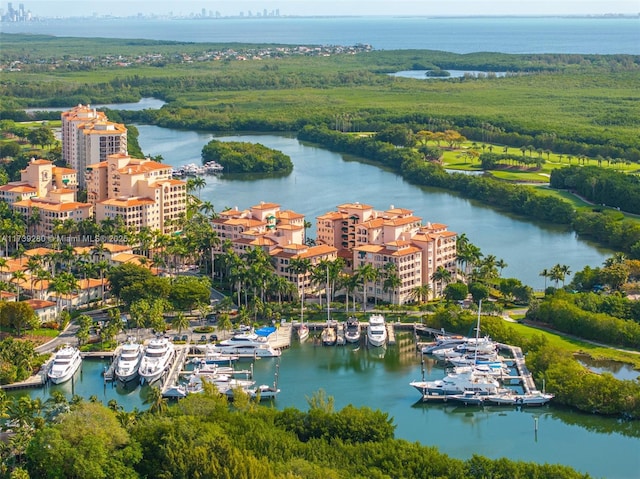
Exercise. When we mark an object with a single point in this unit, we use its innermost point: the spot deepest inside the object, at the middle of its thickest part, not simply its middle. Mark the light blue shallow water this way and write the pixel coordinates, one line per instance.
(459, 35)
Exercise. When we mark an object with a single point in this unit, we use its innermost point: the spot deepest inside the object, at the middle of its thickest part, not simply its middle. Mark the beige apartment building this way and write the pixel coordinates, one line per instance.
(395, 236)
(88, 137)
(280, 233)
(140, 191)
(48, 193)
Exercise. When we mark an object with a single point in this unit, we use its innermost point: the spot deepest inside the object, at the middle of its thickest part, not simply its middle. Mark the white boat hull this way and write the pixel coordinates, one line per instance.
(61, 373)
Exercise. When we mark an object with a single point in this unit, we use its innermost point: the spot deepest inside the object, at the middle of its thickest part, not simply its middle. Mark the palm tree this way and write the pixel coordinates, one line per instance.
(501, 264)
(566, 271)
(158, 404)
(17, 277)
(421, 293)
(180, 322)
(545, 273)
(300, 267)
(365, 273)
(556, 274)
(441, 276)
(392, 281)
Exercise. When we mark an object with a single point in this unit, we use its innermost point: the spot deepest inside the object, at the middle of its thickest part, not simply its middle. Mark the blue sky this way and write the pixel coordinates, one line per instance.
(329, 7)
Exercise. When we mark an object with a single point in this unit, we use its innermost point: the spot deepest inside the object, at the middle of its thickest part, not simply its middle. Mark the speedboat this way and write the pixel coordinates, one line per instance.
(352, 330)
(377, 331)
(461, 380)
(534, 398)
(128, 361)
(156, 359)
(469, 398)
(65, 363)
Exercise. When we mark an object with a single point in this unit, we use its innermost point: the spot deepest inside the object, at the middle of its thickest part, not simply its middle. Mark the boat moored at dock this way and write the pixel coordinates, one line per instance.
(65, 364)
(352, 330)
(377, 331)
(128, 361)
(156, 359)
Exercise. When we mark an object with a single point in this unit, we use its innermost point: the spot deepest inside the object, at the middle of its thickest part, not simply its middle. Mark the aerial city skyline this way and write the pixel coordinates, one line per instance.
(34, 9)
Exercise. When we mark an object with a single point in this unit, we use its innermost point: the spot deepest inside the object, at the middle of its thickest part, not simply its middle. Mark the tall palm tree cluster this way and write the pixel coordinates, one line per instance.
(474, 266)
(557, 273)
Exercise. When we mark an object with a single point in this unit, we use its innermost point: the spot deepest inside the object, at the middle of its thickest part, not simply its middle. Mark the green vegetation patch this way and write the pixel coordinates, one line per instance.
(239, 157)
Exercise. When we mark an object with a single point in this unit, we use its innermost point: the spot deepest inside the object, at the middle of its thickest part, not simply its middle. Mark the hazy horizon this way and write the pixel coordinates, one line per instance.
(453, 8)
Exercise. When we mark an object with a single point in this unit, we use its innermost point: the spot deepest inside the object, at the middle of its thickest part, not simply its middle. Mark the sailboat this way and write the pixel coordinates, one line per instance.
(329, 335)
(303, 329)
(303, 332)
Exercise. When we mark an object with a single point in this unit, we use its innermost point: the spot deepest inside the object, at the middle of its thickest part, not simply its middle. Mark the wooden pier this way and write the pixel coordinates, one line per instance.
(176, 367)
(525, 376)
(391, 334)
(109, 373)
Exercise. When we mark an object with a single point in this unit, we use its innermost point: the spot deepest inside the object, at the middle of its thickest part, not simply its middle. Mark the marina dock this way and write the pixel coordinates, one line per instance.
(281, 338)
(172, 375)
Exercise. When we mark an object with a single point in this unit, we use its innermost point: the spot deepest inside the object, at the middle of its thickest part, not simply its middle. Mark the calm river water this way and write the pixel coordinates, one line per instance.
(321, 180)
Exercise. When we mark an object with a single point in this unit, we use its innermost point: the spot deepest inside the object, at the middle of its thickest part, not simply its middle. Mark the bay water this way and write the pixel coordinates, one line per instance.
(601, 35)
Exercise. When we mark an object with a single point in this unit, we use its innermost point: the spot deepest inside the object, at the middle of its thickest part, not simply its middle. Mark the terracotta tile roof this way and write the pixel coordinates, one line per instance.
(127, 202)
(375, 223)
(19, 188)
(37, 304)
(8, 295)
(136, 168)
(402, 221)
(116, 248)
(399, 211)
(46, 206)
(63, 171)
(127, 258)
(38, 251)
(265, 206)
(319, 250)
(355, 206)
(288, 215)
(41, 161)
(333, 216)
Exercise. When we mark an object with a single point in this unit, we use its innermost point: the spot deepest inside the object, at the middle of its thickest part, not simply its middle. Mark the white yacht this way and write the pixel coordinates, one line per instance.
(352, 330)
(462, 380)
(65, 363)
(377, 331)
(128, 361)
(156, 359)
(247, 345)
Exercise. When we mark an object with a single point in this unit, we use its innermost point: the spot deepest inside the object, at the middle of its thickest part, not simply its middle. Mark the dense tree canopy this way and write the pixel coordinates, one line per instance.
(237, 157)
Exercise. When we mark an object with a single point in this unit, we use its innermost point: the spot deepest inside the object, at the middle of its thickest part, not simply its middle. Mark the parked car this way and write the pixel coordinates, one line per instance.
(213, 338)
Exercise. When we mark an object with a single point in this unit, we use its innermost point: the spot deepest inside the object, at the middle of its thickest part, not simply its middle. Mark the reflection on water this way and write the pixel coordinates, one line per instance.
(617, 369)
(379, 379)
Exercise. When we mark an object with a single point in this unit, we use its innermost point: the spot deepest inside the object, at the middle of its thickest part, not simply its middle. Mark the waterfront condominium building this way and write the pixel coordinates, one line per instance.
(394, 242)
(280, 233)
(140, 191)
(45, 195)
(88, 137)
